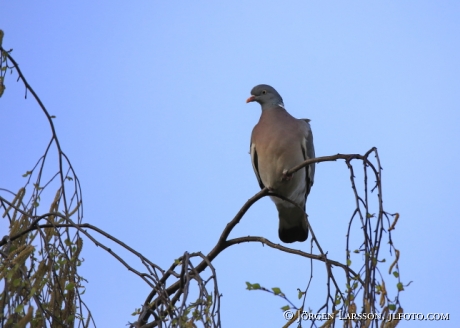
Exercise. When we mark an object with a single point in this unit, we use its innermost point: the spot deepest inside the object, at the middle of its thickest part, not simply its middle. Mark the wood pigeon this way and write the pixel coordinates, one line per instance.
(278, 143)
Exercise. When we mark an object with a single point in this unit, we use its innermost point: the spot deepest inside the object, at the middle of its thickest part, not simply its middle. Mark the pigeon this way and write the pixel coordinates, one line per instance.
(279, 142)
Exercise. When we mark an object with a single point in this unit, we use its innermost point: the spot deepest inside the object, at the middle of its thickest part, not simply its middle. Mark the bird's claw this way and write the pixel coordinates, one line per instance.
(286, 177)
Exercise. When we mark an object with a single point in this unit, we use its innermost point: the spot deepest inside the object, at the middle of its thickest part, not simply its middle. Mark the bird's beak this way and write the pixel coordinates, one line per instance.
(252, 98)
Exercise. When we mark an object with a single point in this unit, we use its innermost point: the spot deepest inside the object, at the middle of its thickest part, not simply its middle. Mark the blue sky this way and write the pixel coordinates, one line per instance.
(150, 106)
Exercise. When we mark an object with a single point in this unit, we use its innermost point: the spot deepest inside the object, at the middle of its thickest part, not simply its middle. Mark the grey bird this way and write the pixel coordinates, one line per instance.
(279, 142)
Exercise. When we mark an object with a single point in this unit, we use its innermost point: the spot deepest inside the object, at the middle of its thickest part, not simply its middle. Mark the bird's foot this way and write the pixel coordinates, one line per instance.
(286, 177)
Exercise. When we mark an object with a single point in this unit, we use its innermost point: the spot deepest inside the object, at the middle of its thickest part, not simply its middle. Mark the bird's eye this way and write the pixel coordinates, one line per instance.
(264, 92)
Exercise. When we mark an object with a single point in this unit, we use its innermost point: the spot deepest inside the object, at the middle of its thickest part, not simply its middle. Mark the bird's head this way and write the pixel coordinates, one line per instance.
(266, 96)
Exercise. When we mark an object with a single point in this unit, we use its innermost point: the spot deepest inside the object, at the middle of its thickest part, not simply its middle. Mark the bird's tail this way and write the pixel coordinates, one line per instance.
(293, 223)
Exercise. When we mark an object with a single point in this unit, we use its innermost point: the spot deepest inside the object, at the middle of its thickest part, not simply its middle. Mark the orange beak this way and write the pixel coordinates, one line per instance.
(252, 98)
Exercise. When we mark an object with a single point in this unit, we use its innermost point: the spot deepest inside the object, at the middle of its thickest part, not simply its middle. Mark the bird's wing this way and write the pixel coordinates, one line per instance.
(255, 164)
(308, 150)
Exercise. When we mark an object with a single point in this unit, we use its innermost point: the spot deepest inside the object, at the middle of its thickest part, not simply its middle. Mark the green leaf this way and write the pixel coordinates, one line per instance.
(396, 274)
(348, 262)
(301, 293)
(256, 286)
(2, 86)
(248, 285)
(400, 286)
(70, 286)
(356, 251)
(16, 282)
(36, 186)
(19, 308)
(276, 290)
(285, 308)
(392, 307)
(27, 173)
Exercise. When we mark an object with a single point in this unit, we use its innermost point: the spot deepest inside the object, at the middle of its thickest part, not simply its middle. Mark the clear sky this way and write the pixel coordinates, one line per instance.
(149, 99)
